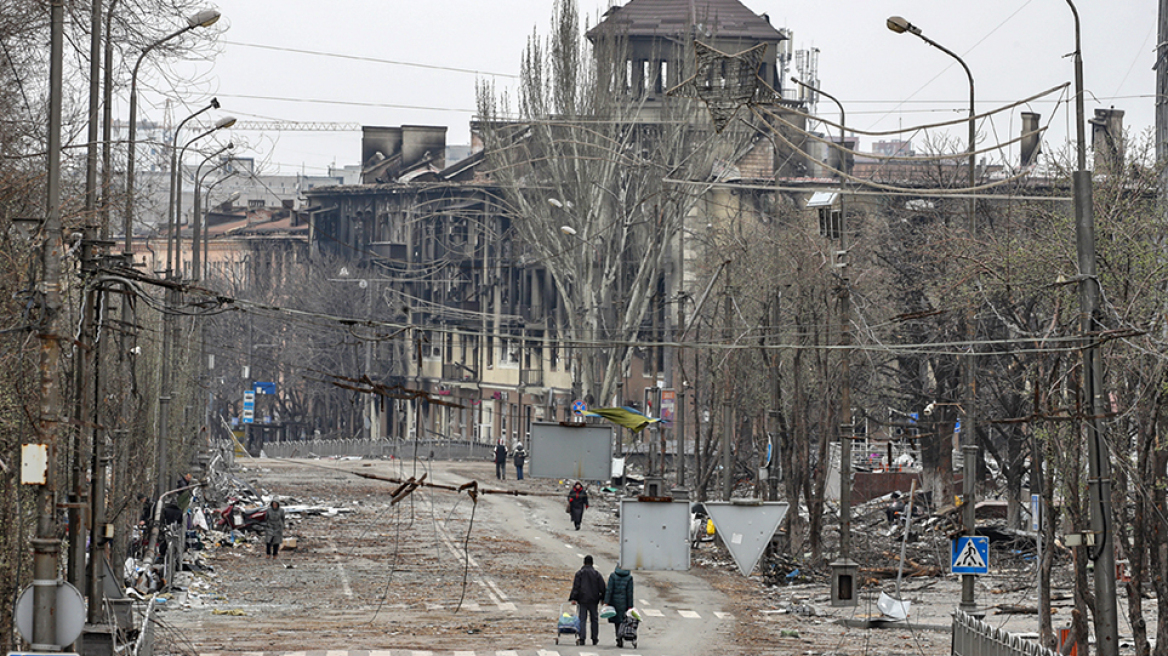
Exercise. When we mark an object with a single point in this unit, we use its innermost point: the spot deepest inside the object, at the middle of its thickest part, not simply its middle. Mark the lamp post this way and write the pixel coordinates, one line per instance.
(197, 213)
(174, 219)
(969, 428)
(232, 197)
(843, 588)
(1098, 454)
(46, 543)
(205, 18)
(170, 326)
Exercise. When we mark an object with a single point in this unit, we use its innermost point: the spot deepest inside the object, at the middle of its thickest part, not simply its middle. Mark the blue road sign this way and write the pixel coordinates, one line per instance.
(579, 407)
(970, 555)
(264, 388)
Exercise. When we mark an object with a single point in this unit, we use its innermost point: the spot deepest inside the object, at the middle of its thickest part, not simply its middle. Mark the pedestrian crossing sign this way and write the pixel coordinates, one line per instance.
(971, 555)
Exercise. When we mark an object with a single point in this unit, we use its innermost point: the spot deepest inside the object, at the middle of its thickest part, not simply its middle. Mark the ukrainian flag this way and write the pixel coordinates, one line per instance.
(624, 416)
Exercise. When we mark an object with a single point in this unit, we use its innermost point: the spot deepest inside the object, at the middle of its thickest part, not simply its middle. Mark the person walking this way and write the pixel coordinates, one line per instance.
(501, 461)
(520, 456)
(619, 594)
(577, 502)
(587, 591)
(274, 529)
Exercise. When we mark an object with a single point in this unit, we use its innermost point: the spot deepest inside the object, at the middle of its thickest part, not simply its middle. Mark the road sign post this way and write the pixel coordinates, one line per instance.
(248, 407)
(970, 555)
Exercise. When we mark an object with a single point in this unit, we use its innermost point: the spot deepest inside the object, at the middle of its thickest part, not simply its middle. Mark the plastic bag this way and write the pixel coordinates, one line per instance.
(635, 614)
(567, 621)
(607, 611)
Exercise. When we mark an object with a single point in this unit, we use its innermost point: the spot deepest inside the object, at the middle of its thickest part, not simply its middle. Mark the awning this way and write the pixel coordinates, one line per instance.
(822, 199)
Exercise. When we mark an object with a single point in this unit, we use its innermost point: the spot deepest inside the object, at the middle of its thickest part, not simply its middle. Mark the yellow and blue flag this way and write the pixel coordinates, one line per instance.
(624, 416)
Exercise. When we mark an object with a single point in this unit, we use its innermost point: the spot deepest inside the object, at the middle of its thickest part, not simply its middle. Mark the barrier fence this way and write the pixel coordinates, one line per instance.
(425, 449)
(973, 637)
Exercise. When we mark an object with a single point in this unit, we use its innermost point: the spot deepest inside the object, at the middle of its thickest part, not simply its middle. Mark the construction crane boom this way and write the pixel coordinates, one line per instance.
(282, 126)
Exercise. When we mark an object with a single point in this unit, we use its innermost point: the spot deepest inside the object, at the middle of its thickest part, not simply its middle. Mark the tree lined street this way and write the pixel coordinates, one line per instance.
(652, 231)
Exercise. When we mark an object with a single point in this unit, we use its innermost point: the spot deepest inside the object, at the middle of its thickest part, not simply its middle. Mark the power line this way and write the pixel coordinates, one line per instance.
(374, 60)
(352, 103)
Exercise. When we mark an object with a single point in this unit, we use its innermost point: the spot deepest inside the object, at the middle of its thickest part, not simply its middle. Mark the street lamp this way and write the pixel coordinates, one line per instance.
(205, 18)
(197, 214)
(969, 446)
(843, 581)
(1098, 455)
(175, 217)
(232, 197)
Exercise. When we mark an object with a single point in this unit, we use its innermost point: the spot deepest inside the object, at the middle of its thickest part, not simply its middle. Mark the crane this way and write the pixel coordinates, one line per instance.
(283, 126)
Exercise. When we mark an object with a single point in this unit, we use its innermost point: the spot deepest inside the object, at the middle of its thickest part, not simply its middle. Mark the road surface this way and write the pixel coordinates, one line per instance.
(441, 575)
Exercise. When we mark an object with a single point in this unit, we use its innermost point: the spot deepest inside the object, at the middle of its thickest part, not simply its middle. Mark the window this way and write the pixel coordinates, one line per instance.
(510, 351)
(829, 222)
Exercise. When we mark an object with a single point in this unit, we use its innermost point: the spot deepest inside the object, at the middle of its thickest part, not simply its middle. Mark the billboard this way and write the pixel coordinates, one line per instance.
(571, 451)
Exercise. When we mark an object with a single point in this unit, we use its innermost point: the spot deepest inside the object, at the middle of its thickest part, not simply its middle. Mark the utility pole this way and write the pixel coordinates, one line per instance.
(45, 546)
(776, 397)
(1098, 453)
(680, 384)
(1162, 102)
(727, 407)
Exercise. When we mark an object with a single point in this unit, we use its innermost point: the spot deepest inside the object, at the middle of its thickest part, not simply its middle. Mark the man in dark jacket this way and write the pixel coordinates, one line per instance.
(500, 461)
(619, 595)
(587, 591)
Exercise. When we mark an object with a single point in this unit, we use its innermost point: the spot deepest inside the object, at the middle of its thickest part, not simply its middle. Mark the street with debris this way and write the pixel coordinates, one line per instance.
(442, 573)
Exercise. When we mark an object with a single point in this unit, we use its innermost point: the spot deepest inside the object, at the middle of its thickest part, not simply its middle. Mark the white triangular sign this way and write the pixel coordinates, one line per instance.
(969, 557)
(746, 528)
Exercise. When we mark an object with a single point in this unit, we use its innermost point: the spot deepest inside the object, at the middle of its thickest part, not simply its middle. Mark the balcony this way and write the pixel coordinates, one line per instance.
(452, 371)
(389, 250)
(531, 377)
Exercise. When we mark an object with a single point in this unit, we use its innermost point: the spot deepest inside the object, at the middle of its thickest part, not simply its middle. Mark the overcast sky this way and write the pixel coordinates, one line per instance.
(1015, 48)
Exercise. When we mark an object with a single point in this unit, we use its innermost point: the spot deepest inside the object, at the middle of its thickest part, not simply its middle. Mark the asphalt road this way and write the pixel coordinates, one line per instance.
(441, 575)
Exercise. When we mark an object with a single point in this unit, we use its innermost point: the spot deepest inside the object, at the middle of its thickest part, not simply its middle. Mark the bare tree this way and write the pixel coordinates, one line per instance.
(586, 157)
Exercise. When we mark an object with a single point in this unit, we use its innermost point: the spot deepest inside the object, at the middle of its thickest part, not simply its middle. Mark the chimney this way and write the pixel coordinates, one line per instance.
(1107, 136)
(1030, 142)
(417, 140)
(374, 139)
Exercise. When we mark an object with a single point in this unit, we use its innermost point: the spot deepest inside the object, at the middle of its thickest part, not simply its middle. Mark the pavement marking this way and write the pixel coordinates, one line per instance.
(472, 606)
(506, 653)
(506, 605)
(433, 606)
(463, 653)
(379, 653)
(496, 589)
(422, 653)
(723, 616)
(336, 653)
(341, 568)
(570, 547)
(689, 614)
(653, 612)
(544, 652)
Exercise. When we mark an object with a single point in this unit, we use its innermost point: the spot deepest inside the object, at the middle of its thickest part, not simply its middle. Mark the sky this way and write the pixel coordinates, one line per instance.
(1014, 48)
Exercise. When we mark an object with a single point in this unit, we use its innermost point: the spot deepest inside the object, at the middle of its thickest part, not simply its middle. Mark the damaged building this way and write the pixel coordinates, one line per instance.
(488, 327)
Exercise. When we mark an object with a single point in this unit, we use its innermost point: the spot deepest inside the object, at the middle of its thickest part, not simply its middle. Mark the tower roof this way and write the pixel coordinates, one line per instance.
(727, 19)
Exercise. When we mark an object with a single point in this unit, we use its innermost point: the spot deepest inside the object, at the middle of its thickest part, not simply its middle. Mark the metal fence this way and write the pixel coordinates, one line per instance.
(973, 637)
(426, 449)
